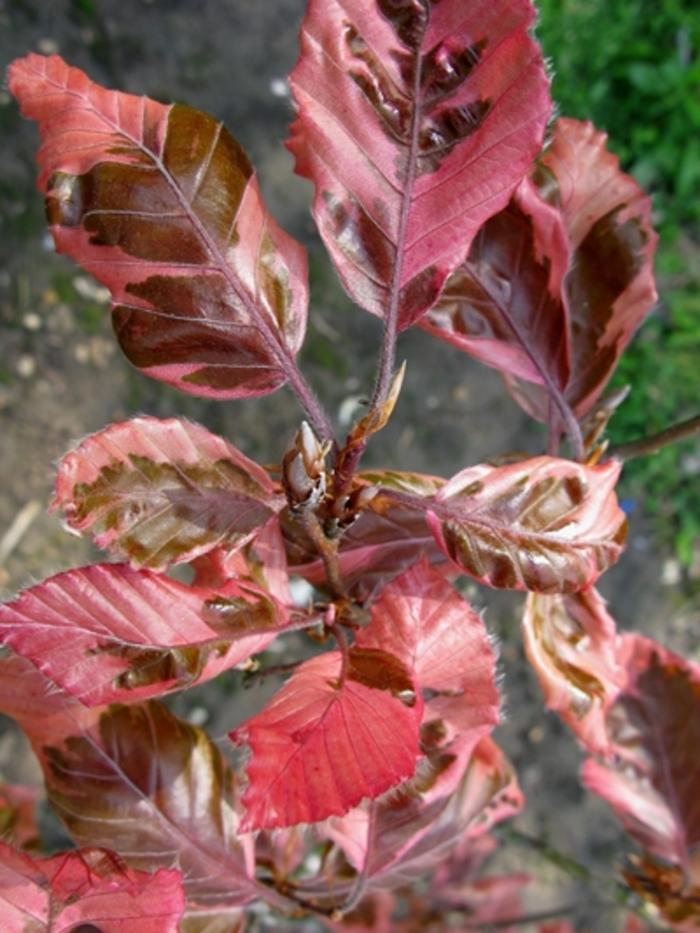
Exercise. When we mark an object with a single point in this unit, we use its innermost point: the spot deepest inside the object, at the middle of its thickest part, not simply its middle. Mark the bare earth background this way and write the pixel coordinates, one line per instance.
(61, 377)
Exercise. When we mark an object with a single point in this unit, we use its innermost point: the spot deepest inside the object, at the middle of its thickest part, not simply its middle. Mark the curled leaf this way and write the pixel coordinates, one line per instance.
(544, 525)
(571, 642)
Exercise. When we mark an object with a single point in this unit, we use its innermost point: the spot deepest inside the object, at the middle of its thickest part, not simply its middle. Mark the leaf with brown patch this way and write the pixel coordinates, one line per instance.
(161, 205)
(415, 123)
(160, 492)
(544, 525)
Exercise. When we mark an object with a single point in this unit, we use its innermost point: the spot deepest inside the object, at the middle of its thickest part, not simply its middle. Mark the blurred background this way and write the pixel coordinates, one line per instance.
(631, 66)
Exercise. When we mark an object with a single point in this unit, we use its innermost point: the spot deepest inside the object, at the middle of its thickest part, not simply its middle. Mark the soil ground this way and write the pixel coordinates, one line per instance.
(61, 377)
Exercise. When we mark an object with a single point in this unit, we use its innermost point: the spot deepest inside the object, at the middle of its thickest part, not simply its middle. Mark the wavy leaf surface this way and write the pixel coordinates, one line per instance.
(323, 744)
(86, 890)
(161, 205)
(157, 492)
(544, 525)
(571, 642)
(422, 620)
(652, 781)
(108, 632)
(416, 121)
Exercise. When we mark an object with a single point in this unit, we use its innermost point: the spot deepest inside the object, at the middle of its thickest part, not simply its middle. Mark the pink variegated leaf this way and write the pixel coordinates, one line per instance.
(139, 781)
(504, 304)
(530, 299)
(404, 835)
(416, 121)
(324, 743)
(91, 889)
(107, 632)
(609, 288)
(544, 525)
(652, 779)
(423, 621)
(571, 642)
(385, 540)
(161, 205)
(158, 492)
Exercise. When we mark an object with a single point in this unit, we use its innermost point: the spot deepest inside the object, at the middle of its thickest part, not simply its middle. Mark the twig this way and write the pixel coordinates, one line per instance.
(541, 916)
(655, 442)
(328, 549)
(19, 527)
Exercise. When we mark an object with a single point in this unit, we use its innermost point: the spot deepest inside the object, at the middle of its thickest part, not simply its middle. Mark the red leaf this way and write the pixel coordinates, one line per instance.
(420, 619)
(93, 885)
(158, 492)
(571, 643)
(161, 205)
(652, 780)
(157, 791)
(545, 525)
(608, 225)
(530, 299)
(416, 122)
(503, 305)
(385, 540)
(394, 840)
(320, 745)
(107, 632)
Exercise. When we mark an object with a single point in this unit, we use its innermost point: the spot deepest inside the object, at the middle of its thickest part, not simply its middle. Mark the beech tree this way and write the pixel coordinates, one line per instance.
(448, 199)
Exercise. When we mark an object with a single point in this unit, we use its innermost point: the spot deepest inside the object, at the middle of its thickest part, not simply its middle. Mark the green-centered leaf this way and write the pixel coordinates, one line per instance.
(158, 492)
(545, 525)
(161, 205)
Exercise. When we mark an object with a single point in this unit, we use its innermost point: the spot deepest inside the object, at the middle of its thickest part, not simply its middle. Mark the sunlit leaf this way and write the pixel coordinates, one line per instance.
(424, 622)
(161, 205)
(87, 890)
(545, 525)
(571, 643)
(415, 123)
(108, 632)
(321, 745)
(158, 492)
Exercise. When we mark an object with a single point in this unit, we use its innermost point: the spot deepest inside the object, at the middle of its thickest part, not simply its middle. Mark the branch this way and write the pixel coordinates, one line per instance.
(655, 442)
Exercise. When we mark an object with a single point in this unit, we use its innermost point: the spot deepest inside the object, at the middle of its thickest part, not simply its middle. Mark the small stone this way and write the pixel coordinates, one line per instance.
(671, 572)
(31, 321)
(536, 734)
(81, 353)
(26, 366)
(279, 87)
(47, 46)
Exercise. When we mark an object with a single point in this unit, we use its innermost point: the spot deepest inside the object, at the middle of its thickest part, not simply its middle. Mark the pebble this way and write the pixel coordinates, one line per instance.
(26, 366)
